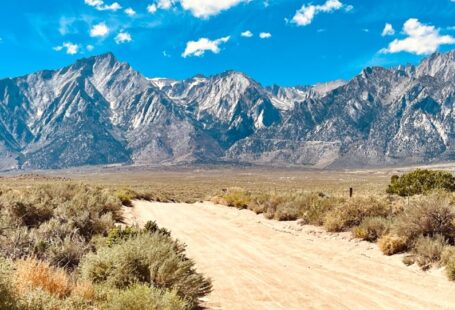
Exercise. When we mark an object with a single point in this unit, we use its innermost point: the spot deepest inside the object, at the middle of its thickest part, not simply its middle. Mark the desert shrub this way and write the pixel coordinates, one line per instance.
(447, 253)
(286, 212)
(429, 216)
(450, 268)
(428, 250)
(118, 234)
(353, 211)
(315, 206)
(372, 228)
(392, 244)
(8, 299)
(143, 297)
(257, 203)
(421, 181)
(33, 274)
(152, 259)
(55, 222)
(126, 196)
(237, 198)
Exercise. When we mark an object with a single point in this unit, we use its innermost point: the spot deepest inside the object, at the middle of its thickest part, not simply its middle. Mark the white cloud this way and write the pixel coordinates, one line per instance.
(90, 47)
(151, 8)
(207, 8)
(123, 37)
(247, 34)
(388, 30)
(70, 48)
(421, 39)
(160, 4)
(265, 35)
(130, 12)
(199, 47)
(305, 15)
(94, 2)
(165, 4)
(99, 30)
(101, 6)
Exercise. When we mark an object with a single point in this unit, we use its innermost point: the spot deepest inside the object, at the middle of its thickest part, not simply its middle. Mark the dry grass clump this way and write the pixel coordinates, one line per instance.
(392, 244)
(33, 274)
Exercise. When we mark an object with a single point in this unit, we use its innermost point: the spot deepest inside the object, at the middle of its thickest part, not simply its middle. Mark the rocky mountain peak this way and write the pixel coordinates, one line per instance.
(101, 111)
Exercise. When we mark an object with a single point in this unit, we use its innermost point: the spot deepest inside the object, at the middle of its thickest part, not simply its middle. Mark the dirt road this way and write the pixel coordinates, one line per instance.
(260, 264)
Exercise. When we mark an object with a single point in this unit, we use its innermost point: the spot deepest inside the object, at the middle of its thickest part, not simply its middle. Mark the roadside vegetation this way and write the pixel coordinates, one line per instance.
(415, 216)
(61, 247)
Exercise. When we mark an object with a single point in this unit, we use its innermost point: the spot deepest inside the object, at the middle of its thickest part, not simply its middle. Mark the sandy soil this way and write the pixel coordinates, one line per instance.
(260, 264)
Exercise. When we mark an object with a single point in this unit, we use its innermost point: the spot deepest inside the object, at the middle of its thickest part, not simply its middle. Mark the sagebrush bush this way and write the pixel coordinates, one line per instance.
(55, 222)
(428, 250)
(126, 196)
(152, 259)
(421, 181)
(450, 268)
(392, 244)
(237, 198)
(430, 216)
(447, 253)
(372, 228)
(143, 297)
(8, 299)
(351, 213)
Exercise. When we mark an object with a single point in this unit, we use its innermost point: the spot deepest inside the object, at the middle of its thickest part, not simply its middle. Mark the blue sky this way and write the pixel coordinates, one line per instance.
(287, 42)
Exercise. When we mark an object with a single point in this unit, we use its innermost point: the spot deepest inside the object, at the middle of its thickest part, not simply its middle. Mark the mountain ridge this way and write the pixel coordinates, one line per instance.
(101, 111)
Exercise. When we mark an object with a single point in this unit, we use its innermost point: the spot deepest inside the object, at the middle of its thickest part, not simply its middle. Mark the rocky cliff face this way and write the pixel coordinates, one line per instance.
(101, 111)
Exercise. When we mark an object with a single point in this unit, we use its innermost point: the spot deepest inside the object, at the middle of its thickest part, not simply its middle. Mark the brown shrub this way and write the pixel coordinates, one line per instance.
(84, 290)
(392, 244)
(33, 274)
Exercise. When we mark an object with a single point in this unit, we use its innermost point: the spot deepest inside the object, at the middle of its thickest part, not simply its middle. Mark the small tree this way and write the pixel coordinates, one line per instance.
(421, 181)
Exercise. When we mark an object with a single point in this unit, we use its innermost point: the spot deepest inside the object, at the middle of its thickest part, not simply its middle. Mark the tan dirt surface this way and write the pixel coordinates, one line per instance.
(256, 263)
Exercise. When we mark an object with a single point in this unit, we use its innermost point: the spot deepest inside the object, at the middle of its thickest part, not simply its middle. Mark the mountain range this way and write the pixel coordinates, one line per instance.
(101, 111)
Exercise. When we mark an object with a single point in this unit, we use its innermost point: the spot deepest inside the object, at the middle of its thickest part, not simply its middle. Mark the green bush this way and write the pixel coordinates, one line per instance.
(152, 259)
(421, 181)
(142, 297)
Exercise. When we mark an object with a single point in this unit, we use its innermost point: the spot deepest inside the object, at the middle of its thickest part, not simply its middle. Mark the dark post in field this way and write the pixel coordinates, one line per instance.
(351, 192)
